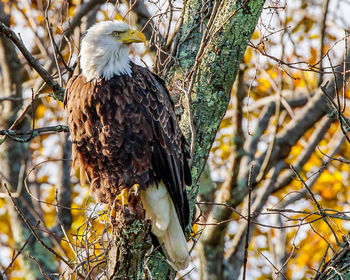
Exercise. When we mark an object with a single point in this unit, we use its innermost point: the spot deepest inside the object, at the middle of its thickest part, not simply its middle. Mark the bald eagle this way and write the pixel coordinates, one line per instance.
(125, 133)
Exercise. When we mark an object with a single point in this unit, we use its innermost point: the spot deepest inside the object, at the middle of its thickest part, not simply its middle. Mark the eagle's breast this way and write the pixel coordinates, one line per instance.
(124, 132)
(112, 138)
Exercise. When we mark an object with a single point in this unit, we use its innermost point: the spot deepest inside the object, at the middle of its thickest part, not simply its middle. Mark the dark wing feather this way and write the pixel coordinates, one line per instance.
(170, 153)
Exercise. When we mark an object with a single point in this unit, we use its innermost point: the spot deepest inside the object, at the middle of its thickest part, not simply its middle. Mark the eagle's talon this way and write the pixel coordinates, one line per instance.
(123, 198)
(125, 209)
(113, 212)
(134, 190)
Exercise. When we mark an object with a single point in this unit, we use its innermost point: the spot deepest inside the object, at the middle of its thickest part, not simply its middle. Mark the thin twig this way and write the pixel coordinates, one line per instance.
(15, 134)
(272, 265)
(342, 119)
(344, 70)
(322, 214)
(33, 231)
(52, 40)
(322, 38)
(321, 263)
(339, 215)
(19, 251)
(248, 225)
(38, 263)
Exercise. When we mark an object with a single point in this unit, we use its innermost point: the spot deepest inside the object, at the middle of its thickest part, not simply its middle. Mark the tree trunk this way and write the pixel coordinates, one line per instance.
(126, 258)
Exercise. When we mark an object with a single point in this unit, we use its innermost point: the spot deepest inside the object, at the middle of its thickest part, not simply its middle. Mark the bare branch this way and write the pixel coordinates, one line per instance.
(33, 231)
(320, 210)
(18, 253)
(15, 134)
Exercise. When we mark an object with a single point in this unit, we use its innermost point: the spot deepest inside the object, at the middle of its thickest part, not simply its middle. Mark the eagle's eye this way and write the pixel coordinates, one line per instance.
(116, 33)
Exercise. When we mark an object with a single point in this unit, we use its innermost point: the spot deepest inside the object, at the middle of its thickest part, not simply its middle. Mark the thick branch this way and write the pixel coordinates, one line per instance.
(209, 48)
(205, 65)
(17, 135)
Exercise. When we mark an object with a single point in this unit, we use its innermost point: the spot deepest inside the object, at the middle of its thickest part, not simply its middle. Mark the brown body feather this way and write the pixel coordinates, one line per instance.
(124, 132)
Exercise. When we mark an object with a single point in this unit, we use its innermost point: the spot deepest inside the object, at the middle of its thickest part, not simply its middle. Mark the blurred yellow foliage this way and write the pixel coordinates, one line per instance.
(40, 111)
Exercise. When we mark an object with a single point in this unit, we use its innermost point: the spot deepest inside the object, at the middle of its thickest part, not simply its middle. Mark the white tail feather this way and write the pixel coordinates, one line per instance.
(165, 225)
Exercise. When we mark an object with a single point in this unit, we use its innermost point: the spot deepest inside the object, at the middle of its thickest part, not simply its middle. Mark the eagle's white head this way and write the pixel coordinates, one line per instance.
(104, 49)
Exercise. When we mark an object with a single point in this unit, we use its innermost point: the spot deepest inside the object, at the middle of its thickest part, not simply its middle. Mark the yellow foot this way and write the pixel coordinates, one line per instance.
(127, 197)
(113, 212)
(123, 197)
(134, 190)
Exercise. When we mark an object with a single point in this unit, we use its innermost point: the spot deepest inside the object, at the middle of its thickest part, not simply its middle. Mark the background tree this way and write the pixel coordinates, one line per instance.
(273, 204)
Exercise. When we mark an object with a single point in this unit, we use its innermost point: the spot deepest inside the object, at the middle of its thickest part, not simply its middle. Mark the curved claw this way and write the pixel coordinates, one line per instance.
(134, 190)
(127, 196)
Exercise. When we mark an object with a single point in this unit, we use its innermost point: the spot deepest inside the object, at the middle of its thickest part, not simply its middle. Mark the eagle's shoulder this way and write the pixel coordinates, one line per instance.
(154, 88)
(155, 83)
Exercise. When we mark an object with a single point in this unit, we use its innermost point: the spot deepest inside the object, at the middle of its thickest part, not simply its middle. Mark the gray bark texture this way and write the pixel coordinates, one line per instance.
(210, 57)
(338, 267)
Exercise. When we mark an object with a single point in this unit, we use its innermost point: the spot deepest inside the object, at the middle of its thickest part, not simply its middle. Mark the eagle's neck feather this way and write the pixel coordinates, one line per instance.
(96, 64)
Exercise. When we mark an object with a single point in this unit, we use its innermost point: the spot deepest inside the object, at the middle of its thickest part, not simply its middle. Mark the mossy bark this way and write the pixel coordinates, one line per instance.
(232, 28)
(338, 267)
(127, 259)
(130, 256)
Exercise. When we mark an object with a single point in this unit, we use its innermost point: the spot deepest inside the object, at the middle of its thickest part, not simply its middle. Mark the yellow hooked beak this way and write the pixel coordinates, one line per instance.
(133, 36)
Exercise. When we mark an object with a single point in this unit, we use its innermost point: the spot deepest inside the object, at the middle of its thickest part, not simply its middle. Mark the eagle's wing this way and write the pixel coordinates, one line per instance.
(77, 90)
(170, 152)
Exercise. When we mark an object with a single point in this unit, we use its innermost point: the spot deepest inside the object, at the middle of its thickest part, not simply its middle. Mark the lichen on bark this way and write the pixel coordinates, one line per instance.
(231, 30)
(127, 256)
